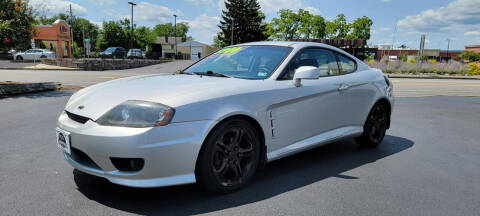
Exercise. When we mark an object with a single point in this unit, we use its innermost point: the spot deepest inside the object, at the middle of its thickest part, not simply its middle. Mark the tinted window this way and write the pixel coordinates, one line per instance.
(346, 64)
(321, 58)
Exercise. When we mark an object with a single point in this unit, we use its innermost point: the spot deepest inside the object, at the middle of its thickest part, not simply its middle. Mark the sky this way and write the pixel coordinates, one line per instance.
(394, 21)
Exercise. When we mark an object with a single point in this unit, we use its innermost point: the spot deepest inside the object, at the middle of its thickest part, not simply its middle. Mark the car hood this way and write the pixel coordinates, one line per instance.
(170, 90)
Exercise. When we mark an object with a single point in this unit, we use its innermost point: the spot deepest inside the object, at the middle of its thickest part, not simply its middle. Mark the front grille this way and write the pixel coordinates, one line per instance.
(82, 158)
(77, 118)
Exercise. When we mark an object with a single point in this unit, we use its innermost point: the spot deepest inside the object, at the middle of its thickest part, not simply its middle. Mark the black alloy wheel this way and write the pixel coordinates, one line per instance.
(229, 158)
(375, 127)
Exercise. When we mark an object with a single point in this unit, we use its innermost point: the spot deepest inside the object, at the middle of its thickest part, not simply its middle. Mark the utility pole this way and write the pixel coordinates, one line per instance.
(233, 23)
(448, 48)
(131, 20)
(175, 36)
(84, 48)
(71, 31)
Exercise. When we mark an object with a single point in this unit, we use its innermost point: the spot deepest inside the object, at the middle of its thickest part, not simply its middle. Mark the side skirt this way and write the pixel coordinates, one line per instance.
(315, 141)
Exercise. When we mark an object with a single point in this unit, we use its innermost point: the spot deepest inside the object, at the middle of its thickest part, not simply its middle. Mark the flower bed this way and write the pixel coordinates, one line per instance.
(428, 67)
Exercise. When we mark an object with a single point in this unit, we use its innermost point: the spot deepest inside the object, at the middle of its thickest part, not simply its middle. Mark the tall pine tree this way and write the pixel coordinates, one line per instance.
(247, 22)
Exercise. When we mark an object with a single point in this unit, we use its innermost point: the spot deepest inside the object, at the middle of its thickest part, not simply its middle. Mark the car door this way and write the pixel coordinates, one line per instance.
(29, 54)
(357, 90)
(313, 108)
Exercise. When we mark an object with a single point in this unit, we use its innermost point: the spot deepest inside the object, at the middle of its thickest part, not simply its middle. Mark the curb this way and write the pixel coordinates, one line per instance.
(22, 88)
(66, 69)
(432, 77)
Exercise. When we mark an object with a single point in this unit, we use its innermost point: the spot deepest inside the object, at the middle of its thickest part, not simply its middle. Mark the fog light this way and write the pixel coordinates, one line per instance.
(128, 164)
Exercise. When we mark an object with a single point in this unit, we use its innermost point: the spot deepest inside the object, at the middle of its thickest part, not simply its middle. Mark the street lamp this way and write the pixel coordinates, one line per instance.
(131, 20)
(175, 36)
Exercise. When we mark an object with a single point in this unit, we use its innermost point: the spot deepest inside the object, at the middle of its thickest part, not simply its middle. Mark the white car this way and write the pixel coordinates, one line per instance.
(224, 117)
(34, 54)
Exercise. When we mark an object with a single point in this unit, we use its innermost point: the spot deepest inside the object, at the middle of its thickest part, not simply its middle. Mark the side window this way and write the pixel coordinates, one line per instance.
(346, 64)
(323, 59)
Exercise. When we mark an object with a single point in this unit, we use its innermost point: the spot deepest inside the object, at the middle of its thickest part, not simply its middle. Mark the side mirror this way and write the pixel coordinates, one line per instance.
(305, 72)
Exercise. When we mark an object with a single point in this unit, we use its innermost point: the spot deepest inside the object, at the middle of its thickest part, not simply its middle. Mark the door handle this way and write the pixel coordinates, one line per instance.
(343, 87)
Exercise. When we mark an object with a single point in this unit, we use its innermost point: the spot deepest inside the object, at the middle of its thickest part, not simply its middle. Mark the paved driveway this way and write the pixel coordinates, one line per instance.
(86, 78)
(427, 165)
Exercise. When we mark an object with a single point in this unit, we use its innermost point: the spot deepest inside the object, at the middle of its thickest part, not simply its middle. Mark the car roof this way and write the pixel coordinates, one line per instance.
(294, 44)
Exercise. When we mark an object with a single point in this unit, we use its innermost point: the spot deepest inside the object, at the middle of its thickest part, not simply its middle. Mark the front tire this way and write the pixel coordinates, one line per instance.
(229, 158)
(375, 127)
(19, 58)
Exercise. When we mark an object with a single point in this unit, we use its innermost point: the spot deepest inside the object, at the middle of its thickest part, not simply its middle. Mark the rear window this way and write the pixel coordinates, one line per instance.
(347, 65)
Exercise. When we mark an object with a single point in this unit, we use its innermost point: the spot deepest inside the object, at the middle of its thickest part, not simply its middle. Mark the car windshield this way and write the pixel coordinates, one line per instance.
(247, 62)
(110, 49)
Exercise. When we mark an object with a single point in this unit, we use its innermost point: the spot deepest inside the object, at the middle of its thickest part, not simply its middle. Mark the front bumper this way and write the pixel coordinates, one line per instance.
(169, 152)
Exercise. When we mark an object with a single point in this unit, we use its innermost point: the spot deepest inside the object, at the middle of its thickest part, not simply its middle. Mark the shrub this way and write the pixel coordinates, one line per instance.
(432, 61)
(474, 68)
(470, 56)
(412, 61)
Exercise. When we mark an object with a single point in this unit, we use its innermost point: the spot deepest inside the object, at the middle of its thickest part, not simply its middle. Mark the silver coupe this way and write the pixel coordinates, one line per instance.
(224, 117)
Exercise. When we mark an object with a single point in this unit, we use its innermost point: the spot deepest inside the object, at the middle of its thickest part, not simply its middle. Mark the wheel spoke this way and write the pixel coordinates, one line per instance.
(238, 137)
(237, 169)
(222, 169)
(222, 147)
(244, 152)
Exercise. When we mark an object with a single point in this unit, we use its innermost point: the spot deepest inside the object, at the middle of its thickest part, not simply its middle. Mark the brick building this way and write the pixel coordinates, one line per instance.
(56, 37)
(474, 48)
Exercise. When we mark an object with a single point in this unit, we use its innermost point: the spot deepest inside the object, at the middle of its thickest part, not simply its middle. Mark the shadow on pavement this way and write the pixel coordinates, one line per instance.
(44, 94)
(278, 177)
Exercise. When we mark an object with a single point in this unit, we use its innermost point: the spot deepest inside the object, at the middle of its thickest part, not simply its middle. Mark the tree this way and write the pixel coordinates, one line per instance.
(286, 27)
(318, 27)
(168, 29)
(16, 24)
(247, 22)
(361, 28)
(470, 56)
(337, 28)
(114, 34)
(216, 42)
(144, 36)
(305, 23)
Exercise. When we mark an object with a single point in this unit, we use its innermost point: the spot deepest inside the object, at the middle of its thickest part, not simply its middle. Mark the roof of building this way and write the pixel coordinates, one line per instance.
(192, 43)
(472, 46)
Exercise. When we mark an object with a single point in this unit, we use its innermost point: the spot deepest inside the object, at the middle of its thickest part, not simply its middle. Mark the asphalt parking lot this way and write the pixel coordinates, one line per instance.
(427, 165)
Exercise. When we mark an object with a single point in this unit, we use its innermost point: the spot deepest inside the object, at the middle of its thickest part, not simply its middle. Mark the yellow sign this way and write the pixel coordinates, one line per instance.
(230, 50)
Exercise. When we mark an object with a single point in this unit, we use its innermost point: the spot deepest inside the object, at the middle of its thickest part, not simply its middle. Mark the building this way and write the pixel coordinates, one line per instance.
(473, 48)
(56, 37)
(168, 45)
(437, 54)
(194, 50)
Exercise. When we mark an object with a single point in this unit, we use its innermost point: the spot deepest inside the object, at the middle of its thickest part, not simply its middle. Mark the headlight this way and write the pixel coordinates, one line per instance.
(138, 114)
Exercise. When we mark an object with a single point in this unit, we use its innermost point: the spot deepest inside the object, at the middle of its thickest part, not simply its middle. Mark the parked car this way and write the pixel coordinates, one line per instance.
(34, 54)
(135, 54)
(114, 52)
(11, 53)
(225, 116)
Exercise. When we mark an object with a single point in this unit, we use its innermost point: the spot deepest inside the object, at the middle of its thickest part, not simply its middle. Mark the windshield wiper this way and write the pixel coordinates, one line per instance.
(211, 73)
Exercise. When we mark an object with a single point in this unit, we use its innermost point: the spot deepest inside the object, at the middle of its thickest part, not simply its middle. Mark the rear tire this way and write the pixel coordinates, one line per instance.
(42, 57)
(229, 157)
(375, 127)
(19, 58)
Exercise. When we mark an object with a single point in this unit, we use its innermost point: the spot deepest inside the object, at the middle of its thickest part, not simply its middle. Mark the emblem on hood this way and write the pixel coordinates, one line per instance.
(81, 107)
